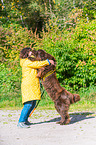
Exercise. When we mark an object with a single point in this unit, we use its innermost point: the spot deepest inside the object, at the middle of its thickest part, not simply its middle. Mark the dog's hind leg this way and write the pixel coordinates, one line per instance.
(67, 118)
(62, 109)
(61, 122)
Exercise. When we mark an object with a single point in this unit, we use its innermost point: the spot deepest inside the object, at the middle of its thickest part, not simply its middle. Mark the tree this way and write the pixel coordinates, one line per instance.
(30, 13)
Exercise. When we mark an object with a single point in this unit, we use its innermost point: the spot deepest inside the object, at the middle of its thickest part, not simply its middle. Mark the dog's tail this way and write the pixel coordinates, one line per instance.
(76, 97)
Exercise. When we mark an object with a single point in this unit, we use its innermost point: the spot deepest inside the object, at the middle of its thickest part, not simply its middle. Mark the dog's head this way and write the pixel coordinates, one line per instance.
(43, 55)
(35, 54)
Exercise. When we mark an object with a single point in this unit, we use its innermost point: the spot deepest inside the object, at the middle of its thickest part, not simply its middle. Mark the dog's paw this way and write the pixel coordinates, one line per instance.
(67, 121)
(60, 122)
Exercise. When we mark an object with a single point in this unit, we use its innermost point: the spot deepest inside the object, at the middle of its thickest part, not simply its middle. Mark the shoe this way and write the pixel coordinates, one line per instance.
(22, 125)
(28, 123)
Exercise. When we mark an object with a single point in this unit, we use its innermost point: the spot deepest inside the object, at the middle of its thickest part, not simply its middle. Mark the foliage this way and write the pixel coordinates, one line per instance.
(75, 52)
(10, 79)
(35, 14)
(13, 39)
(32, 14)
(63, 8)
(70, 37)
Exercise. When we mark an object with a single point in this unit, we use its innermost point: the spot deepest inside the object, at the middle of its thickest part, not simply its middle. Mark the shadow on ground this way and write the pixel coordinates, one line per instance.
(75, 117)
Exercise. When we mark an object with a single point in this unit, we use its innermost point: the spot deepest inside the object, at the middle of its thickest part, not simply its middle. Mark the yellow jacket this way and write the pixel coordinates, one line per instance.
(30, 86)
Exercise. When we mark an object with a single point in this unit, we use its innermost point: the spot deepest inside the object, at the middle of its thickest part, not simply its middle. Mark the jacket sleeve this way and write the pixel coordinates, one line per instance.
(36, 64)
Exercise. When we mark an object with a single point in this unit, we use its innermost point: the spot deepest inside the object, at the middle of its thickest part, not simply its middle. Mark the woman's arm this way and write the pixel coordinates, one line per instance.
(37, 64)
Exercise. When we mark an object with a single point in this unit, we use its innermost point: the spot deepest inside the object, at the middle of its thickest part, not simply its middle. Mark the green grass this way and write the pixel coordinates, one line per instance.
(87, 102)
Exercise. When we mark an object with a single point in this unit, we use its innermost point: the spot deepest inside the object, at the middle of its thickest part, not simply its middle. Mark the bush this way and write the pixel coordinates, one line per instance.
(30, 13)
(13, 39)
(10, 85)
(71, 40)
(75, 52)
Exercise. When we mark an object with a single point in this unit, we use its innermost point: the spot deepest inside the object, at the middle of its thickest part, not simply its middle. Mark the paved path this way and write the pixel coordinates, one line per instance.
(45, 131)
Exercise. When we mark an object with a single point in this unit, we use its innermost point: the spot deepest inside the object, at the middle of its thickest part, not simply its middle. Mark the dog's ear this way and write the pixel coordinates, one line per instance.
(46, 56)
(41, 54)
(49, 56)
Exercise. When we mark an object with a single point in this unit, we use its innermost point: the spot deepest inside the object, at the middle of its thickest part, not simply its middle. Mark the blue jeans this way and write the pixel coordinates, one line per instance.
(28, 107)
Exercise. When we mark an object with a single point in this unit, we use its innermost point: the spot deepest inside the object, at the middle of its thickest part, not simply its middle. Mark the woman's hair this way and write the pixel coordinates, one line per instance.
(24, 53)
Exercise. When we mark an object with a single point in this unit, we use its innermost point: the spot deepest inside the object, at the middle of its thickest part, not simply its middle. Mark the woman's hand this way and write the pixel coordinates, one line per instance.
(52, 62)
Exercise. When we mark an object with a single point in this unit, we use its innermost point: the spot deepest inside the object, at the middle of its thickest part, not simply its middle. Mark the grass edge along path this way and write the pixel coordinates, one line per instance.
(87, 102)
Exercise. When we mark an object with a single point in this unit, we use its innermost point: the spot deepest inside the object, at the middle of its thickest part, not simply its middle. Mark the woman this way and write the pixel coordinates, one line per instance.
(30, 86)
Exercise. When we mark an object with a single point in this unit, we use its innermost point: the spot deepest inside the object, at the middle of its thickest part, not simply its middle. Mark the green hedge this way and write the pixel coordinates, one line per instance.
(10, 80)
(75, 52)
